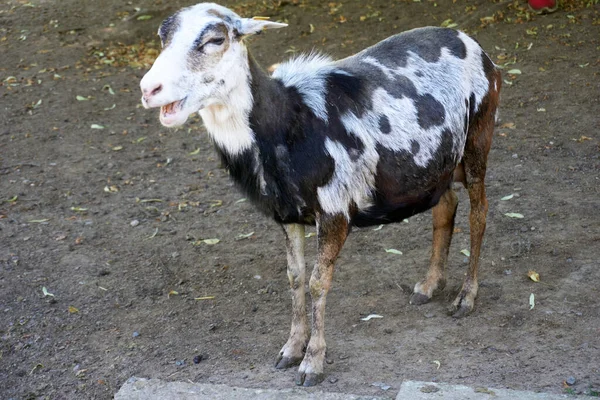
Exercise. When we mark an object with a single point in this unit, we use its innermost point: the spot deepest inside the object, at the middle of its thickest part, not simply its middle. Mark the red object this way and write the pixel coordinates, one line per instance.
(543, 6)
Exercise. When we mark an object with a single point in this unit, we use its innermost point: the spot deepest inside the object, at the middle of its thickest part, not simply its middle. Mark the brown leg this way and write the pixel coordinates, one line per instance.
(293, 351)
(332, 232)
(443, 226)
(465, 301)
(477, 147)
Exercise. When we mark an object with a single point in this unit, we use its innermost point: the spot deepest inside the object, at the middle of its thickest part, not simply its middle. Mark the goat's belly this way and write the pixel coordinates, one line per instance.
(390, 208)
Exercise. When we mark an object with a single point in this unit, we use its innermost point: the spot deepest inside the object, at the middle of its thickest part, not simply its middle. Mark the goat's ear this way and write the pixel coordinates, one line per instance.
(252, 26)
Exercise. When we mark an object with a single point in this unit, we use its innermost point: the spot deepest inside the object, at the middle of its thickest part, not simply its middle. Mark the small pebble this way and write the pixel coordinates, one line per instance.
(135, 334)
(333, 380)
(329, 361)
(571, 380)
(134, 223)
(507, 272)
(180, 363)
(198, 358)
(388, 331)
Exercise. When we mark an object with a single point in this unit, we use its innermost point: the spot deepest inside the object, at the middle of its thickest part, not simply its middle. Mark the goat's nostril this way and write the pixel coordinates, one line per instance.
(156, 90)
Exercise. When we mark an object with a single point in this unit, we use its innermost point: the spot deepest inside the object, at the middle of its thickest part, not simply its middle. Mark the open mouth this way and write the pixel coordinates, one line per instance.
(172, 108)
(170, 114)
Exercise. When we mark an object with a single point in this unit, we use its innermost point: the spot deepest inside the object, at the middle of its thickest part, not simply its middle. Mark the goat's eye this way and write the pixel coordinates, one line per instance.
(216, 41)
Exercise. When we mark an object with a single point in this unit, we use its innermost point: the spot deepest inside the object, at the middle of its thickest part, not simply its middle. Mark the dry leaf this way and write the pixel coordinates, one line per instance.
(73, 310)
(466, 252)
(531, 301)
(514, 215)
(212, 241)
(371, 316)
(393, 251)
(510, 196)
(46, 292)
(534, 276)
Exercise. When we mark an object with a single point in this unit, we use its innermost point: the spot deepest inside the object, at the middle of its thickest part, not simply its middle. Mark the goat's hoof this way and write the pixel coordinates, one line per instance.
(304, 379)
(460, 309)
(287, 362)
(419, 298)
(461, 312)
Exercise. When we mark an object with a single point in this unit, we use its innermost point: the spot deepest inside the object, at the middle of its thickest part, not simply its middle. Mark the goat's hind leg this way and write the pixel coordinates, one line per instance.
(292, 352)
(477, 147)
(443, 226)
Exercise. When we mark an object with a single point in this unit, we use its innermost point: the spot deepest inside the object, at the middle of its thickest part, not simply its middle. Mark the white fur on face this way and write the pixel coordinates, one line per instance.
(213, 80)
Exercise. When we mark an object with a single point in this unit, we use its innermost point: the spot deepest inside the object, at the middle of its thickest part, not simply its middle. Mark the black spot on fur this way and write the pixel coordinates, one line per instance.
(427, 43)
(384, 124)
(402, 188)
(415, 147)
(168, 28)
(430, 112)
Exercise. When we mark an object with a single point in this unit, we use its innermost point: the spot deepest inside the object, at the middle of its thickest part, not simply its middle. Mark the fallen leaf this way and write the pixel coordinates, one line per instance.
(241, 200)
(81, 98)
(73, 310)
(439, 364)
(110, 108)
(96, 126)
(39, 221)
(144, 17)
(245, 235)
(393, 251)
(117, 148)
(310, 234)
(510, 196)
(531, 301)
(514, 72)
(371, 316)
(534, 276)
(466, 252)
(79, 240)
(204, 298)
(46, 292)
(172, 293)
(216, 203)
(78, 209)
(211, 241)
(193, 153)
(514, 215)
(12, 199)
(378, 228)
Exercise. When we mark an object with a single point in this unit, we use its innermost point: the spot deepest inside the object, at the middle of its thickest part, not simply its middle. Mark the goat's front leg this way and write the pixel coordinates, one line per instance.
(293, 351)
(332, 231)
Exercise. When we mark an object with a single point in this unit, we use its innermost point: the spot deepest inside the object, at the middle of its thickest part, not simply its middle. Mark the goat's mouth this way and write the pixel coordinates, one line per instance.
(171, 114)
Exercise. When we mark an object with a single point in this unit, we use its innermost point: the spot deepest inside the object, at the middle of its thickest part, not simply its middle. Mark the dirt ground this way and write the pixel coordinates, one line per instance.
(104, 273)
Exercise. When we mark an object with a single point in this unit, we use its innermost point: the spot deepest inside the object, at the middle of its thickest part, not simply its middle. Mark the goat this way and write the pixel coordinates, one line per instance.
(370, 139)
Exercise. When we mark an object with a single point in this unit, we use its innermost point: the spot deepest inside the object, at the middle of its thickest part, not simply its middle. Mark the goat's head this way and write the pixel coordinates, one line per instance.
(202, 61)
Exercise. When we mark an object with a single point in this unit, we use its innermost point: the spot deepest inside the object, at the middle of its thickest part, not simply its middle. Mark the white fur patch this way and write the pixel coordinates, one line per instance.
(450, 80)
(308, 73)
(352, 181)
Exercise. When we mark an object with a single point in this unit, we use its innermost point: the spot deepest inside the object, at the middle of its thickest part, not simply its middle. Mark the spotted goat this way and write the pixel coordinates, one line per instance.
(370, 139)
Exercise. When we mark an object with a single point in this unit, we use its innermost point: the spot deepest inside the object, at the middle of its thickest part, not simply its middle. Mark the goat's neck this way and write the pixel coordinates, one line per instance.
(250, 106)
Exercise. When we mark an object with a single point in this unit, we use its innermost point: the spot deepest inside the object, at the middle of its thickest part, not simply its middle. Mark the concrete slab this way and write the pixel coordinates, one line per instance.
(156, 389)
(412, 390)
